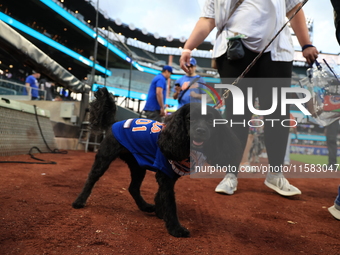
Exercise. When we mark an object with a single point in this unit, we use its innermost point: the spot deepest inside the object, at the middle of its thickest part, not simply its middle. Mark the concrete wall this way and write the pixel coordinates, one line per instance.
(55, 107)
(19, 128)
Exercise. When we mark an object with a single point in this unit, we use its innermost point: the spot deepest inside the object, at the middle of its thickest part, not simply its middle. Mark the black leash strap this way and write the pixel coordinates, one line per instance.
(193, 81)
(32, 156)
(36, 148)
(42, 135)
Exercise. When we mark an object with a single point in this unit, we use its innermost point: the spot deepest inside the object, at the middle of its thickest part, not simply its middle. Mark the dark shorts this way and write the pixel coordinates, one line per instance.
(153, 115)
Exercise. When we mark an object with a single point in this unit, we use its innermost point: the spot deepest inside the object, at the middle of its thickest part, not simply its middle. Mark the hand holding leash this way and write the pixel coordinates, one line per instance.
(310, 53)
(185, 60)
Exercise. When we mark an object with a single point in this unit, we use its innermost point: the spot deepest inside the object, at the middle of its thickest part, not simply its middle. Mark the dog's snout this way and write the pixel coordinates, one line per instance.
(200, 131)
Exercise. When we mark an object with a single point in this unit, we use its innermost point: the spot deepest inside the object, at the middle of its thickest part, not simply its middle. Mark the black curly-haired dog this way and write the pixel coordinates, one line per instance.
(184, 131)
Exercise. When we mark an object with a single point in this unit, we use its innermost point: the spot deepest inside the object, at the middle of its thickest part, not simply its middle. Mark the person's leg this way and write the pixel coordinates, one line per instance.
(336, 7)
(153, 115)
(238, 123)
(331, 138)
(247, 149)
(286, 160)
(245, 163)
(277, 75)
(229, 71)
(49, 94)
(276, 134)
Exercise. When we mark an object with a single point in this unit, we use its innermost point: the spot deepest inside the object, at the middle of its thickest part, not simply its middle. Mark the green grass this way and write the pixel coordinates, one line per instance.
(310, 159)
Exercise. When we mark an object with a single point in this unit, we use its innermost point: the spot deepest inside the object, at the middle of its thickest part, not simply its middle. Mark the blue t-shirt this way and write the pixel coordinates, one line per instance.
(151, 102)
(184, 82)
(34, 85)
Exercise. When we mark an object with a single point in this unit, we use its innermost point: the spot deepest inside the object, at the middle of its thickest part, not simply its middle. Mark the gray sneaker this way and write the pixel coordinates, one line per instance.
(281, 185)
(335, 211)
(228, 185)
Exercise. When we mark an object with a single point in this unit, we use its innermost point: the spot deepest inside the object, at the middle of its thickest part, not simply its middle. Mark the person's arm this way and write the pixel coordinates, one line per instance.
(298, 24)
(28, 88)
(202, 29)
(195, 93)
(198, 89)
(177, 91)
(159, 95)
(336, 7)
(295, 131)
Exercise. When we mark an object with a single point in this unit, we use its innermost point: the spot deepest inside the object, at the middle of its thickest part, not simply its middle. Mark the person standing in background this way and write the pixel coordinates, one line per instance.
(183, 93)
(331, 132)
(155, 102)
(32, 85)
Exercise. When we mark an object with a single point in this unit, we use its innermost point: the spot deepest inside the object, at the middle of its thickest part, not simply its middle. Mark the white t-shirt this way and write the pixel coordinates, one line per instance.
(258, 27)
(259, 20)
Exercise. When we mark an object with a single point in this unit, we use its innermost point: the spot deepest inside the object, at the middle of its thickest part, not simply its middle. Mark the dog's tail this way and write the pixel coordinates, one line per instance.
(102, 110)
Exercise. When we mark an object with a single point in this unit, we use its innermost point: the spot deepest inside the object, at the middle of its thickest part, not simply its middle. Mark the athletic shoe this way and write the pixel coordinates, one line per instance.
(228, 185)
(335, 212)
(335, 209)
(281, 185)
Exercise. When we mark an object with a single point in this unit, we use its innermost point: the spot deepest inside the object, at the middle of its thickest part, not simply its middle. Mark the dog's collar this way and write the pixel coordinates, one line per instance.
(188, 165)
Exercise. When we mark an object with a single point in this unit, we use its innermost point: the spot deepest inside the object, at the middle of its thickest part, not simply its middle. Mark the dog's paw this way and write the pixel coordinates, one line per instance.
(179, 232)
(148, 208)
(78, 205)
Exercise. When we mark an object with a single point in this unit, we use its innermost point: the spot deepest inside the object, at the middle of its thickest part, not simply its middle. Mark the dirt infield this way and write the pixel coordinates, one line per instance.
(37, 217)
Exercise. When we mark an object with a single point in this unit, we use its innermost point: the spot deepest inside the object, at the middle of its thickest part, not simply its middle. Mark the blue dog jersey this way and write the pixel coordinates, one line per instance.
(140, 137)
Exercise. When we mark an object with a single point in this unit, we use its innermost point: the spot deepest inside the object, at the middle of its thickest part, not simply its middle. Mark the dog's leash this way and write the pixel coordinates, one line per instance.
(226, 92)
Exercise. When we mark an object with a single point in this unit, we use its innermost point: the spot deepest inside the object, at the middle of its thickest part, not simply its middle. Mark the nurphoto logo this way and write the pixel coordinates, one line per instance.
(238, 105)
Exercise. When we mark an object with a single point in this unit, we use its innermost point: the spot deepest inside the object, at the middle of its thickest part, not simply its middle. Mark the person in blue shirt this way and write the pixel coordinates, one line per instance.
(32, 86)
(155, 102)
(182, 92)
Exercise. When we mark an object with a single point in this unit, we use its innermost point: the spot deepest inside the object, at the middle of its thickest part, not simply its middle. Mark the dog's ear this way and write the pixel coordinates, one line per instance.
(224, 146)
(174, 140)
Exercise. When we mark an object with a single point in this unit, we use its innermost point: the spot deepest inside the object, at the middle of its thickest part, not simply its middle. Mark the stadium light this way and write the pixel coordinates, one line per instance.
(169, 38)
(144, 31)
(132, 26)
(118, 22)
(182, 39)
